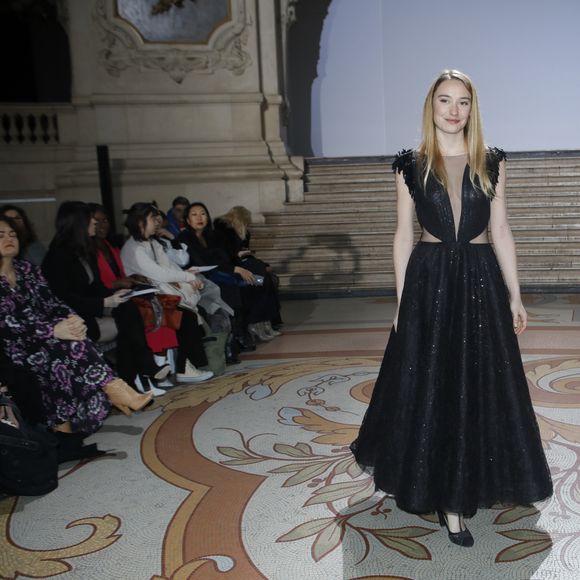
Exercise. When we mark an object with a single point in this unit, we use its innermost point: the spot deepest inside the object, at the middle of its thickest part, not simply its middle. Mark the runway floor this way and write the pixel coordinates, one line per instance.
(249, 475)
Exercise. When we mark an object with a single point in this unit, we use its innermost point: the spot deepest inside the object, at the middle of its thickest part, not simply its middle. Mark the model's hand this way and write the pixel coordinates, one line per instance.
(117, 298)
(71, 328)
(520, 316)
(196, 284)
(246, 275)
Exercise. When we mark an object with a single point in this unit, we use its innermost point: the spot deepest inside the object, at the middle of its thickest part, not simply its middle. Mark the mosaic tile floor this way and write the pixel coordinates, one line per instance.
(249, 475)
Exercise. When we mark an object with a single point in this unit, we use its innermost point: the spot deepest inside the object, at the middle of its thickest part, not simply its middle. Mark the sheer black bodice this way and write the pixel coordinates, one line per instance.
(450, 424)
(432, 204)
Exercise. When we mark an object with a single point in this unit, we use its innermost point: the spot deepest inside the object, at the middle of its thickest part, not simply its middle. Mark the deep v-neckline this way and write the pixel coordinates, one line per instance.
(457, 231)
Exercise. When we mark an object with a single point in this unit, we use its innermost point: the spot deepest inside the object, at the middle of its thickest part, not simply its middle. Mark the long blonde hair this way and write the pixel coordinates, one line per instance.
(429, 152)
(238, 218)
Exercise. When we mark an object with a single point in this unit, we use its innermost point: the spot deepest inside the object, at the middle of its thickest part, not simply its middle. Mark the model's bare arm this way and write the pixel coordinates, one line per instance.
(505, 251)
(403, 241)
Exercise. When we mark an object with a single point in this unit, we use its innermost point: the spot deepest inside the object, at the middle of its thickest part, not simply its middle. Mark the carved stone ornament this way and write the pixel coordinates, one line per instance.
(125, 48)
(288, 12)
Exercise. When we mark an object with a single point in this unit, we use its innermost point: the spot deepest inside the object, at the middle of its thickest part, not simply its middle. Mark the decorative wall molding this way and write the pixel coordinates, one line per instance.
(125, 49)
(288, 12)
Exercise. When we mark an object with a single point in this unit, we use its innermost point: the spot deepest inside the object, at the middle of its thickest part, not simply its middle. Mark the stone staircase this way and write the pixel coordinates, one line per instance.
(339, 239)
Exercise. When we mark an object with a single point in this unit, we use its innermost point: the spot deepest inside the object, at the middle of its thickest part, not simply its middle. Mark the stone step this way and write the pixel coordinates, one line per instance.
(270, 235)
(526, 177)
(340, 237)
(365, 221)
(345, 206)
(351, 281)
(558, 165)
(356, 188)
(387, 211)
(525, 251)
(361, 264)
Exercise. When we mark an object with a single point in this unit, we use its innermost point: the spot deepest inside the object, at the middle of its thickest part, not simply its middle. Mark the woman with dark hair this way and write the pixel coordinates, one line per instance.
(113, 276)
(142, 254)
(199, 241)
(41, 335)
(71, 270)
(31, 248)
(108, 253)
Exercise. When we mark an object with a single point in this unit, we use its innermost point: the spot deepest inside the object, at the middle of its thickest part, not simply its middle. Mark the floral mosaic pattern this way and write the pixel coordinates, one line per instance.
(319, 412)
(267, 449)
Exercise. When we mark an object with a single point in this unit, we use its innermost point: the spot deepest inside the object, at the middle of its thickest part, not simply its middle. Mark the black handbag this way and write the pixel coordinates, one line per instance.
(28, 454)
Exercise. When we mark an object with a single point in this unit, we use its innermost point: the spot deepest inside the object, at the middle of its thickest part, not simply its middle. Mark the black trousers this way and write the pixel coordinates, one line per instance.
(261, 302)
(133, 353)
(190, 338)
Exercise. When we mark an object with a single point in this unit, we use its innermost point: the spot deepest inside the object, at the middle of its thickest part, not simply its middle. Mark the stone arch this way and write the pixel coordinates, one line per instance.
(302, 54)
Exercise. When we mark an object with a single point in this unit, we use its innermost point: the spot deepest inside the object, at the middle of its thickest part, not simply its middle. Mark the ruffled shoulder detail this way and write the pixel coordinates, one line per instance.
(405, 163)
(494, 156)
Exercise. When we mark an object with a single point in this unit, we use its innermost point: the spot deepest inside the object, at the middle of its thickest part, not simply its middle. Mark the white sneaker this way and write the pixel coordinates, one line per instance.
(145, 385)
(165, 384)
(193, 375)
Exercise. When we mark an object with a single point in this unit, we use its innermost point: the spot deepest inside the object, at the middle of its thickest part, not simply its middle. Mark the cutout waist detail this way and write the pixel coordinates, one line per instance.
(452, 244)
(429, 238)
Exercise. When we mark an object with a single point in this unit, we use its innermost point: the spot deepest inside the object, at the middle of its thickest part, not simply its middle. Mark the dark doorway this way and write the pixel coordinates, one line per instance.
(303, 51)
(34, 53)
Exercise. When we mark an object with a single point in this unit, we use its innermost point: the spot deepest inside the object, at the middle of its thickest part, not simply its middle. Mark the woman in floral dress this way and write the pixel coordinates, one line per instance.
(42, 335)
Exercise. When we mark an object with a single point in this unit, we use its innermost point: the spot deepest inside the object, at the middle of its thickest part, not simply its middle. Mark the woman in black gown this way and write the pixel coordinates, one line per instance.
(450, 426)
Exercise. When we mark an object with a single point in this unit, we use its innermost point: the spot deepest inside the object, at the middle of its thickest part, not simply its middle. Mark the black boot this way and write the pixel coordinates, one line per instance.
(245, 342)
(232, 351)
(71, 447)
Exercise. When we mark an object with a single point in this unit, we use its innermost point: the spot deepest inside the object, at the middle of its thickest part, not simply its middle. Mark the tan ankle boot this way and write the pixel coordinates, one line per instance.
(124, 397)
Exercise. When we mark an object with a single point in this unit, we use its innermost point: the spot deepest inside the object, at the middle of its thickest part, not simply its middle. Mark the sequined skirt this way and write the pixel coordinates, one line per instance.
(450, 424)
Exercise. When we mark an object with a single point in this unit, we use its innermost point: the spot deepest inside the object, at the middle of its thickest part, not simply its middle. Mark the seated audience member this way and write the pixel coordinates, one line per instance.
(70, 267)
(43, 336)
(176, 215)
(232, 234)
(202, 251)
(113, 276)
(215, 311)
(31, 248)
(177, 252)
(142, 254)
(108, 254)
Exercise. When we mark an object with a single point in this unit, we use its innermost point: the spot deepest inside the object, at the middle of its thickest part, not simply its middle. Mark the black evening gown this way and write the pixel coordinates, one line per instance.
(450, 425)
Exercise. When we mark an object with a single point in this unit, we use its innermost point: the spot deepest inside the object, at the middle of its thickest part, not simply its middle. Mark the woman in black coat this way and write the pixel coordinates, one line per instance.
(232, 235)
(71, 270)
(199, 240)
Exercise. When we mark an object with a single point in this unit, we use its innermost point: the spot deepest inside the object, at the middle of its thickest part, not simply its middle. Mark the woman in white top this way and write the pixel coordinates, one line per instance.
(144, 255)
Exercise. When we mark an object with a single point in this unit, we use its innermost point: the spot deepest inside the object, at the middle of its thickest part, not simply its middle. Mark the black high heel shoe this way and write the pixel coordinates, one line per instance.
(462, 538)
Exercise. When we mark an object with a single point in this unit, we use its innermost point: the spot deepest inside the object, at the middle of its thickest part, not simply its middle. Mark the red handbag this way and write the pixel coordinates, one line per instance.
(160, 310)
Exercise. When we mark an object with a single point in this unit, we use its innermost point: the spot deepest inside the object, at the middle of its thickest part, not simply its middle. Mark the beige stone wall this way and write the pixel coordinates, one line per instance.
(179, 119)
